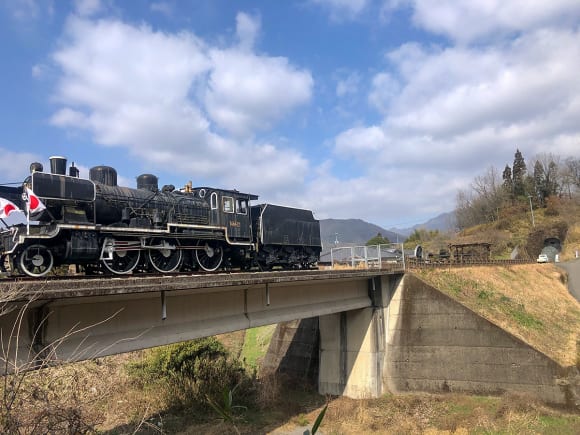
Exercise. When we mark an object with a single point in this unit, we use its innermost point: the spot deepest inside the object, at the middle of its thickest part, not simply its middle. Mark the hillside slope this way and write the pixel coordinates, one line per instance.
(531, 302)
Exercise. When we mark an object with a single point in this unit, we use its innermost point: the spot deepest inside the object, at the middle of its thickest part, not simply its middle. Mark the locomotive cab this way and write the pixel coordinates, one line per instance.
(229, 209)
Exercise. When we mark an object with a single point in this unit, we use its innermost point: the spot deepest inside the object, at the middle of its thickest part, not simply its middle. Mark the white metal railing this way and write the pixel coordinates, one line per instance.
(367, 257)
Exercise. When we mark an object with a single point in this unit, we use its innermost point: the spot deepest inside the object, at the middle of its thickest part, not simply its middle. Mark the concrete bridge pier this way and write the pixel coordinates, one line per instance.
(353, 344)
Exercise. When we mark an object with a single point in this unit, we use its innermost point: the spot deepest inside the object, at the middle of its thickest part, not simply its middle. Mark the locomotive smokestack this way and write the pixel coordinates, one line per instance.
(58, 165)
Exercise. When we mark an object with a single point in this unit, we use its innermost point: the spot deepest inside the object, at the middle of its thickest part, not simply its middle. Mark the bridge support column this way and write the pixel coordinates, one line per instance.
(353, 345)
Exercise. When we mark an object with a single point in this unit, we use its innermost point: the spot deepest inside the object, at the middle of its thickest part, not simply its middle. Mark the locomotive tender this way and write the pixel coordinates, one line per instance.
(99, 226)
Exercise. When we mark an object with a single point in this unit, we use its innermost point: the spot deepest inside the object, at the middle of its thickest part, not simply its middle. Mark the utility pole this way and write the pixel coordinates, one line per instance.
(532, 210)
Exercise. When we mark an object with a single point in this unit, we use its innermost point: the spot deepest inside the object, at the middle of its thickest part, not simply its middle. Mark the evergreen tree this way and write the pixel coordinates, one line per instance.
(378, 240)
(519, 174)
(508, 182)
(540, 185)
(552, 185)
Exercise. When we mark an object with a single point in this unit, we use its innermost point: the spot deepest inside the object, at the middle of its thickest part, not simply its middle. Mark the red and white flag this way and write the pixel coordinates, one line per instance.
(7, 207)
(33, 203)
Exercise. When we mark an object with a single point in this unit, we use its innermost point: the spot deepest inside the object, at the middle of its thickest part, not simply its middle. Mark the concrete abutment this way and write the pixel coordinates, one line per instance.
(416, 339)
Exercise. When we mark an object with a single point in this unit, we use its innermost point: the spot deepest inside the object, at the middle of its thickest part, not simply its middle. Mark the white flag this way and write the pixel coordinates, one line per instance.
(33, 203)
(7, 207)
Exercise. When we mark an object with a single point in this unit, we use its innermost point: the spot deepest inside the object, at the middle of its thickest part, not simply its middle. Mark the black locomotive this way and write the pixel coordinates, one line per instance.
(101, 227)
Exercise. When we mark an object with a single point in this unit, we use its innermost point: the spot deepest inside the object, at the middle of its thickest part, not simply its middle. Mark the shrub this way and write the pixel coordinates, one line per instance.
(193, 371)
(552, 206)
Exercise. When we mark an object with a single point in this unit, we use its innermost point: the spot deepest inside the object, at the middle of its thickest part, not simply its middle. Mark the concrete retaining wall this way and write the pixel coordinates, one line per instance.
(293, 349)
(436, 344)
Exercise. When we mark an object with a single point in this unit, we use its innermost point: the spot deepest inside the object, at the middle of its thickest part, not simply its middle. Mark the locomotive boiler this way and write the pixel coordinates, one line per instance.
(101, 227)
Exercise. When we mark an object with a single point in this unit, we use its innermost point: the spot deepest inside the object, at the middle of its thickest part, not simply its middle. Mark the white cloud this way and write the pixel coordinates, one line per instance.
(475, 102)
(393, 194)
(458, 90)
(360, 140)
(87, 8)
(247, 29)
(466, 21)
(162, 7)
(343, 9)
(384, 88)
(450, 111)
(24, 10)
(39, 71)
(348, 85)
(248, 92)
(169, 98)
(14, 166)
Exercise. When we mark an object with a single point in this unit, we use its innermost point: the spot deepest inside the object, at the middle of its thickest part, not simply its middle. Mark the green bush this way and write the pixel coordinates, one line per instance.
(193, 371)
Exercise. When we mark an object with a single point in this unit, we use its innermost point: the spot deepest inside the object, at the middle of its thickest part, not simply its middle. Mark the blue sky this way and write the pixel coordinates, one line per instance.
(371, 109)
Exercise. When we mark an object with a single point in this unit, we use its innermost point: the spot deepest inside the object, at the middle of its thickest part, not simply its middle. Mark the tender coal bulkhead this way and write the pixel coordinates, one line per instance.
(98, 226)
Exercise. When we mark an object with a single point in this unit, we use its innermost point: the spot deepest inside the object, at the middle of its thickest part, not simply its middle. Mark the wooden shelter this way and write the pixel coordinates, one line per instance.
(468, 252)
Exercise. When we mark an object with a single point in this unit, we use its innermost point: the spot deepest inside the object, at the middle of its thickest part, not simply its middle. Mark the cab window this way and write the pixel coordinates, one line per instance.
(228, 204)
(242, 206)
(214, 201)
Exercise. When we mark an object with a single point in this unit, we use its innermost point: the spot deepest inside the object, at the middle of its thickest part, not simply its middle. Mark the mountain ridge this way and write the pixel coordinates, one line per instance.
(357, 231)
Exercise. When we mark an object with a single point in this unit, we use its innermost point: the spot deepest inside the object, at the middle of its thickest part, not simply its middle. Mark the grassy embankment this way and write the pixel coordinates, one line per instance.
(514, 229)
(103, 394)
(531, 302)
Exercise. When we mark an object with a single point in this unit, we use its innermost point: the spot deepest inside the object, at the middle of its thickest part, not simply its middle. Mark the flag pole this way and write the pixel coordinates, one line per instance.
(27, 214)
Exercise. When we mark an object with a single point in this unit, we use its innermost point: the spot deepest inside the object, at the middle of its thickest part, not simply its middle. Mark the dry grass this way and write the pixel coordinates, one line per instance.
(439, 414)
(572, 244)
(531, 302)
(122, 407)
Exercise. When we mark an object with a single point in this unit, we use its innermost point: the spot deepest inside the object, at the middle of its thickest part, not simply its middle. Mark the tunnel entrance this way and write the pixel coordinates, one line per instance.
(552, 247)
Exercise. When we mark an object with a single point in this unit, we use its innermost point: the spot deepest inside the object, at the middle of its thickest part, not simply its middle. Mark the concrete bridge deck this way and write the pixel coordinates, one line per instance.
(78, 319)
(132, 284)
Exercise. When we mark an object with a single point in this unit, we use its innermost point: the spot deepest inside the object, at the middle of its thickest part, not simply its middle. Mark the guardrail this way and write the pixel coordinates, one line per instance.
(368, 257)
(393, 257)
(417, 264)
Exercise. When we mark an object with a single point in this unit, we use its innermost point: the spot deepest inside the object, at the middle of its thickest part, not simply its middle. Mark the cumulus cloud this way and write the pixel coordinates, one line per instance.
(178, 102)
(247, 92)
(460, 106)
(450, 110)
(247, 30)
(14, 165)
(466, 21)
(503, 78)
(399, 194)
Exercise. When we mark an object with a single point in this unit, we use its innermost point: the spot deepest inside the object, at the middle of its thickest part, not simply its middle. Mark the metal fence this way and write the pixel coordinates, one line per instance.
(393, 256)
(368, 257)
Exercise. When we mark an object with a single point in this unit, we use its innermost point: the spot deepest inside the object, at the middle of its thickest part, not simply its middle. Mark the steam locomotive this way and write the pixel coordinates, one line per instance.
(100, 227)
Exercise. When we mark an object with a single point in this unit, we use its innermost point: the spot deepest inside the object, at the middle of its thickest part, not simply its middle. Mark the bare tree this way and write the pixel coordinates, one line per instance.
(40, 395)
(570, 176)
(482, 201)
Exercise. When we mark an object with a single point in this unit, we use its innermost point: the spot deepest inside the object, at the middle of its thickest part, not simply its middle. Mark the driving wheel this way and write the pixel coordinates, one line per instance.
(165, 255)
(36, 260)
(210, 257)
(123, 258)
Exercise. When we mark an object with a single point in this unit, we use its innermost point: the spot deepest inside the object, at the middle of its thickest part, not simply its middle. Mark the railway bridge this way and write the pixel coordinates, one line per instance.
(78, 319)
(380, 330)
